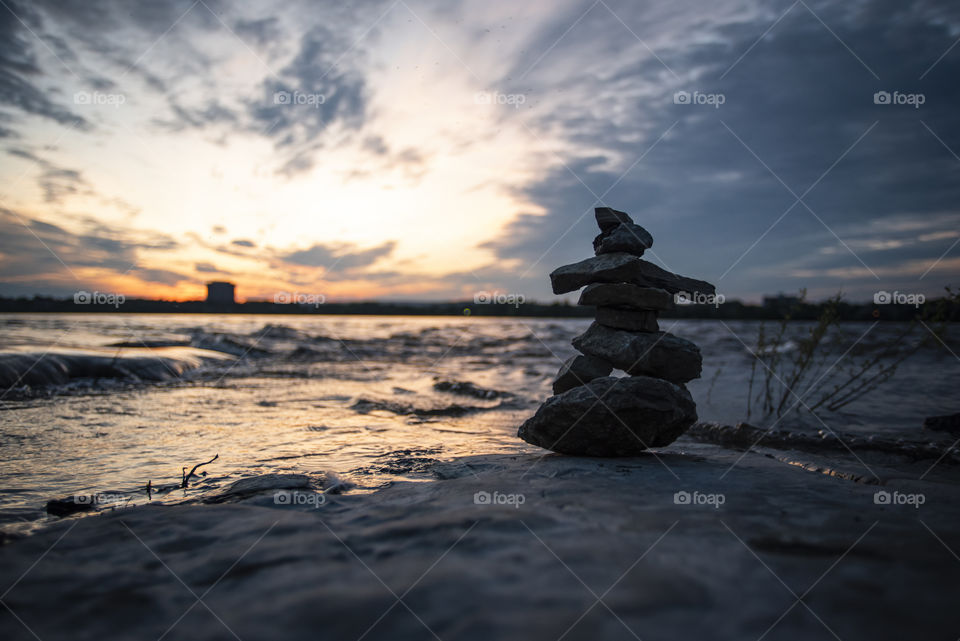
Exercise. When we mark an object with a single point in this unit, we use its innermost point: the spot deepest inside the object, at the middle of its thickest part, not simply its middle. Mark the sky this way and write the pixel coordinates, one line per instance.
(430, 150)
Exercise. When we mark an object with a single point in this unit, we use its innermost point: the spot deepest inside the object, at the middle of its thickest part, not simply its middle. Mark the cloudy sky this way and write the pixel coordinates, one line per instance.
(428, 149)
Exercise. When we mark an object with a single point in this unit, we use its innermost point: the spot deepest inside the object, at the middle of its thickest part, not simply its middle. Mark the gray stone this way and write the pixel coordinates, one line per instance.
(628, 319)
(662, 355)
(628, 238)
(950, 424)
(580, 370)
(626, 296)
(745, 436)
(70, 505)
(247, 487)
(608, 218)
(612, 416)
(623, 268)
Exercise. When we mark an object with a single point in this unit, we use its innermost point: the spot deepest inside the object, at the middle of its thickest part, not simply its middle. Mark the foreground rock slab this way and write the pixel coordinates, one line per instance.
(624, 268)
(490, 570)
(612, 416)
(662, 355)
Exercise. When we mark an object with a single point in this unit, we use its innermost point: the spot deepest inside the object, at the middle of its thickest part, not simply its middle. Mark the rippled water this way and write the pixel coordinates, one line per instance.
(372, 399)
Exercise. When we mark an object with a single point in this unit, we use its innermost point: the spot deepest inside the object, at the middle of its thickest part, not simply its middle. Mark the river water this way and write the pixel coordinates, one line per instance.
(106, 403)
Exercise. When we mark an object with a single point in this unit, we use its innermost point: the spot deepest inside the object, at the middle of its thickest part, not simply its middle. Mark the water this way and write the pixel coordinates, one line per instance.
(372, 399)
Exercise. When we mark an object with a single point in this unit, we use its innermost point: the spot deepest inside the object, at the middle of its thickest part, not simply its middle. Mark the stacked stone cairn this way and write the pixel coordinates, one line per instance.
(593, 413)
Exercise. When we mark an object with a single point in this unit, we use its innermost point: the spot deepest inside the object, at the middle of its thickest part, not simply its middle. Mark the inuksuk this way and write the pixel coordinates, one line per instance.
(593, 413)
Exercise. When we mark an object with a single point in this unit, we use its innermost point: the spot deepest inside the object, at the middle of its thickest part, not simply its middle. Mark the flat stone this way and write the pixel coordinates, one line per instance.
(628, 319)
(949, 424)
(626, 237)
(69, 505)
(245, 488)
(612, 416)
(661, 355)
(580, 370)
(626, 296)
(623, 268)
(608, 218)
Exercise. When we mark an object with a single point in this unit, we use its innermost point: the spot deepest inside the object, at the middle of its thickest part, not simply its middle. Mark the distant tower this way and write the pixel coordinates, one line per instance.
(220, 292)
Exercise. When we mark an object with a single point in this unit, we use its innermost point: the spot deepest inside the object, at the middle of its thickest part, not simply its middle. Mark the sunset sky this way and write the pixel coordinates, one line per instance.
(427, 150)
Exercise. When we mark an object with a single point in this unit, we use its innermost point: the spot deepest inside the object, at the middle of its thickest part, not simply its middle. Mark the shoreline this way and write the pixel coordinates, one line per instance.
(497, 569)
(730, 310)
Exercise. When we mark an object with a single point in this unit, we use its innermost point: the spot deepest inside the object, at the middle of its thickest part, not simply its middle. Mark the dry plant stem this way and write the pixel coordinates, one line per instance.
(807, 366)
(807, 352)
(186, 477)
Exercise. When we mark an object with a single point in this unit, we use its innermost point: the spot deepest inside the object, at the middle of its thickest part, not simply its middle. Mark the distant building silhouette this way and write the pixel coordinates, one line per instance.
(221, 292)
(781, 302)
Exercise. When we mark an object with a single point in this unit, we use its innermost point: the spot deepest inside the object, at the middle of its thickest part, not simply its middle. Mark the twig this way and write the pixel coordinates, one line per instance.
(186, 477)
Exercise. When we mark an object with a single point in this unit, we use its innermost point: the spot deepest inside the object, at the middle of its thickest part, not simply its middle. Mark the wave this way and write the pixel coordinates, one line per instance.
(229, 344)
(466, 388)
(26, 370)
(366, 405)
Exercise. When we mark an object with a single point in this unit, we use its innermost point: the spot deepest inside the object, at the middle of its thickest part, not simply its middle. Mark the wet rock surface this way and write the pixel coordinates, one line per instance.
(651, 535)
(745, 436)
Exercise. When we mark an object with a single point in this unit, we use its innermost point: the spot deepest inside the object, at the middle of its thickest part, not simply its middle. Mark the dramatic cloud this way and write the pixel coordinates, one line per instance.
(208, 268)
(429, 149)
(55, 182)
(33, 250)
(339, 257)
(20, 71)
(717, 186)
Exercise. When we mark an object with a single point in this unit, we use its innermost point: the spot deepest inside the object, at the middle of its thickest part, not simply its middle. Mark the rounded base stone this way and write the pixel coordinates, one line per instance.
(612, 416)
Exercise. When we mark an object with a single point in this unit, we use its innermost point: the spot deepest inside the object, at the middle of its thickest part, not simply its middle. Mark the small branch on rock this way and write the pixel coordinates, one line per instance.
(186, 477)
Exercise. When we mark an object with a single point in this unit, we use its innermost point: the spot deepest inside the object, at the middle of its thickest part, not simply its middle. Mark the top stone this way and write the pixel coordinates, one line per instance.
(608, 218)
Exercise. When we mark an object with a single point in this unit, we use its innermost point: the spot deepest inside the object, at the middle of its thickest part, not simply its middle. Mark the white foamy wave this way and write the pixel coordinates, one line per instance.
(31, 369)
